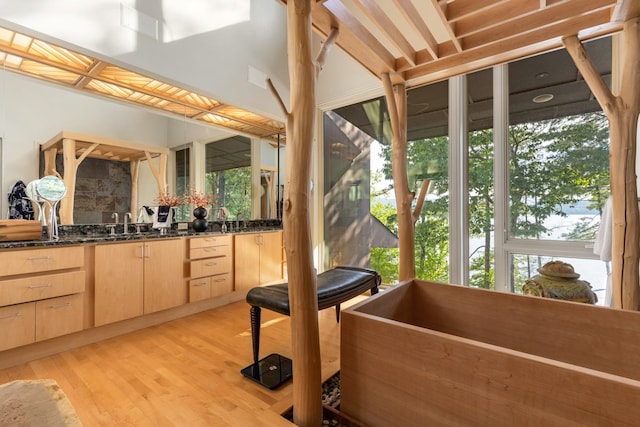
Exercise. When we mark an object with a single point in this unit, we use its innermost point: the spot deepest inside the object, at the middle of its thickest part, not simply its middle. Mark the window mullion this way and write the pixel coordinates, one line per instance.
(458, 182)
(501, 175)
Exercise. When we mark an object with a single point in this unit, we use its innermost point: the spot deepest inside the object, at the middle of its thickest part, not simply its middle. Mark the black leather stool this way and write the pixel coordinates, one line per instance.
(335, 286)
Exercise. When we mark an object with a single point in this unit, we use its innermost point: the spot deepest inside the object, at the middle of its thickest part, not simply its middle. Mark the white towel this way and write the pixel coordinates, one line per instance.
(602, 244)
(146, 215)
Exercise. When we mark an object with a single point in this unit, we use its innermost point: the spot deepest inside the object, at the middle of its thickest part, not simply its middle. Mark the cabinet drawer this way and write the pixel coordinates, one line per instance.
(203, 242)
(209, 251)
(210, 267)
(199, 289)
(39, 260)
(221, 285)
(40, 287)
(17, 324)
(58, 316)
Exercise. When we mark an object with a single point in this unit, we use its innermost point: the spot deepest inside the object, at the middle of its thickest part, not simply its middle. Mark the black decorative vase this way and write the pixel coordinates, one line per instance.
(200, 224)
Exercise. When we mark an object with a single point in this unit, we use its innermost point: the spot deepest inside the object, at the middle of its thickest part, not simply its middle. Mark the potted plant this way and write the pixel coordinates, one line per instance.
(201, 201)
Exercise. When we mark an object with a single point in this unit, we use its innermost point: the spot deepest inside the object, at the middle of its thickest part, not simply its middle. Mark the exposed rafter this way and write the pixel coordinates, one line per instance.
(36, 58)
(420, 41)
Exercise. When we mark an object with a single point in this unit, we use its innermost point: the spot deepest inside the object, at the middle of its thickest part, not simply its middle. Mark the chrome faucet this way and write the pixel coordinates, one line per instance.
(115, 215)
(127, 218)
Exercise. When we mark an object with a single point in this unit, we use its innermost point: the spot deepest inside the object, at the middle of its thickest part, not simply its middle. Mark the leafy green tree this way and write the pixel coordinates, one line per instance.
(481, 202)
(232, 188)
(553, 164)
(384, 260)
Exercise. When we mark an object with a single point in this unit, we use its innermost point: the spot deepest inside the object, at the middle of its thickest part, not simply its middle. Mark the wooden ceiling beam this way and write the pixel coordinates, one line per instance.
(450, 27)
(375, 13)
(413, 17)
(95, 69)
(346, 18)
(591, 14)
(323, 21)
(626, 10)
(506, 50)
(461, 9)
(489, 18)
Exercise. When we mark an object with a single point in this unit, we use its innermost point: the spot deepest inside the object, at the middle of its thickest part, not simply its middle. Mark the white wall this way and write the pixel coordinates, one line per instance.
(32, 112)
(343, 81)
(207, 46)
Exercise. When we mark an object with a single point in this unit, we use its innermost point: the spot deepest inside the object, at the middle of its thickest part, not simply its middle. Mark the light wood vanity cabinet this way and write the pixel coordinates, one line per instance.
(40, 294)
(210, 266)
(258, 259)
(58, 316)
(18, 325)
(132, 279)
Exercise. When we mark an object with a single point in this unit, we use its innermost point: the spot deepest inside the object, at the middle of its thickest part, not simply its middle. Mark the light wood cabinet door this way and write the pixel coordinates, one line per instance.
(17, 323)
(58, 316)
(271, 257)
(221, 284)
(247, 261)
(164, 282)
(199, 289)
(258, 259)
(118, 282)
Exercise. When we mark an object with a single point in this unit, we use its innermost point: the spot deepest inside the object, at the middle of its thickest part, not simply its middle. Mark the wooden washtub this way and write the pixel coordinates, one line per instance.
(437, 355)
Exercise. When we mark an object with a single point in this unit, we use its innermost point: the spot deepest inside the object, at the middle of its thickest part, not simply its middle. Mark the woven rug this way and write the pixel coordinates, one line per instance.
(35, 403)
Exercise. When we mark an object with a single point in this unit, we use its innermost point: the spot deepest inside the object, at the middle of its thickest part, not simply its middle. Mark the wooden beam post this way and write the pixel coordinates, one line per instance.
(303, 298)
(134, 167)
(396, 96)
(70, 169)
(622, 112)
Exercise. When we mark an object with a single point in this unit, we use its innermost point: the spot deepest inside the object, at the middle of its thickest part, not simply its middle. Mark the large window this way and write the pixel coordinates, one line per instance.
(534, 171)
(228, 175)
(558, 166)
(183, 177)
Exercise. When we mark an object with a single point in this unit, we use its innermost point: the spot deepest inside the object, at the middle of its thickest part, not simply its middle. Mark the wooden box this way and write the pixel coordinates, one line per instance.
(20, 229)
(435, 354)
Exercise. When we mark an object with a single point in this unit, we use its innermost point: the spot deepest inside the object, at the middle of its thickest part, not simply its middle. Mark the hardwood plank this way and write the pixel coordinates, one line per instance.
(183, 372)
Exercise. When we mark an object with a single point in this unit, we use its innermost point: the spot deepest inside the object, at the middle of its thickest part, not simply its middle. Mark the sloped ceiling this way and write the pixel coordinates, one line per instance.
(422, 41)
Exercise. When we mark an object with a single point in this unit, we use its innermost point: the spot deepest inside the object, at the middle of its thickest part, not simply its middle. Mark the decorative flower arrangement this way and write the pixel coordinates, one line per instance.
(166, 199)
(199, 199)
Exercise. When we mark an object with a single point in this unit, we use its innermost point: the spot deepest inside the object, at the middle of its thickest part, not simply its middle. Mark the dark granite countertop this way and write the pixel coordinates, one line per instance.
(101, 233)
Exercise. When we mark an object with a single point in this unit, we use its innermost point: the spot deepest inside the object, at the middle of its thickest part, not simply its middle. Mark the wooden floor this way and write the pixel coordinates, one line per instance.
(182, 373)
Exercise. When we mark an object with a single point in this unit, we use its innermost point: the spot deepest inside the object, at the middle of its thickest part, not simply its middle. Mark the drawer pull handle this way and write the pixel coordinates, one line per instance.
(16, 314)
(68, 304)
(219, 280)
(38, 258)
(210, 249)
(210, 264)
(44, 285)
(200, 284)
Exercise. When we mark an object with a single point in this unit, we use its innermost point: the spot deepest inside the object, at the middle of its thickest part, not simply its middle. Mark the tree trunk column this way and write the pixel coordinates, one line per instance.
(625, 240)
(303, 300)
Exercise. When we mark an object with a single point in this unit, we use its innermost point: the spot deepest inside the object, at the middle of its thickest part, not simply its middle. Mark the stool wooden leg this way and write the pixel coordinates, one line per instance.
(338, 313)
(255, 313)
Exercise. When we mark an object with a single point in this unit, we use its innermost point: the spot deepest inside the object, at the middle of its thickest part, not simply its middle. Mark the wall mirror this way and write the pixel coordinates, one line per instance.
(244, 175)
